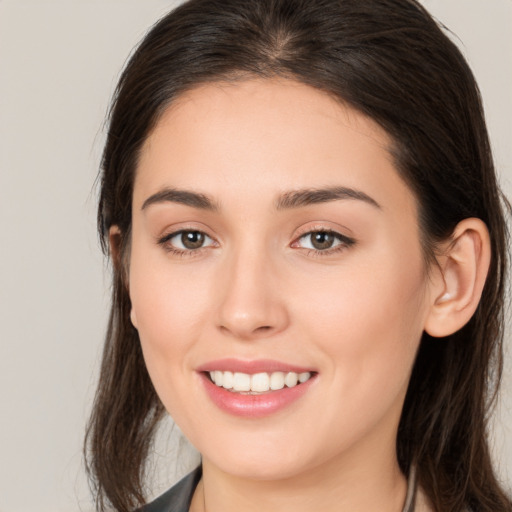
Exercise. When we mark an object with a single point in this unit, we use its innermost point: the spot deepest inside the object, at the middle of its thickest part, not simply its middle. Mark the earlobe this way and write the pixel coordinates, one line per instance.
(463, 270)
(133, 318)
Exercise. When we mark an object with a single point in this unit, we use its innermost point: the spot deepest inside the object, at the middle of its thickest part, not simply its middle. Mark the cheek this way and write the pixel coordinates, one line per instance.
(370, 320)
(167, 309)
(166, 313)
(166, 297)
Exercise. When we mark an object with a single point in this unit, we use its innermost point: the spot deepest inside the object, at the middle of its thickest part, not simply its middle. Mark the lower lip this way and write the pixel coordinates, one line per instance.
(254, 406)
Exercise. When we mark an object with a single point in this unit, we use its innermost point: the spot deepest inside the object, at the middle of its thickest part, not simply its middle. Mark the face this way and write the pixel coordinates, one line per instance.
(276, 250)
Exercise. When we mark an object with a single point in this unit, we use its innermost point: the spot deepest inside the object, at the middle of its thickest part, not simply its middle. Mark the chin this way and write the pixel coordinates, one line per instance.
(260, 470)
(258, 461)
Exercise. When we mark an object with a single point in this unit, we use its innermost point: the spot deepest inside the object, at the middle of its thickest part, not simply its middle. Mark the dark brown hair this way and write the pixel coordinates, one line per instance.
(392, 62)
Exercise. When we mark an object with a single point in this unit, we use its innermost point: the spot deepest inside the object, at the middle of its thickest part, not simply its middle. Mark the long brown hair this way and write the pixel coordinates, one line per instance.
(391, 61)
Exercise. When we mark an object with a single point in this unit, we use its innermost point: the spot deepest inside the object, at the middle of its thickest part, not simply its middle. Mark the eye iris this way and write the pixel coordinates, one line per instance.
(322, 240)
(192, 239)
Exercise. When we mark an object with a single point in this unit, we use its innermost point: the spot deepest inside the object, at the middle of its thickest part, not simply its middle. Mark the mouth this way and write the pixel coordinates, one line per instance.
(258, 388)
(257, 383)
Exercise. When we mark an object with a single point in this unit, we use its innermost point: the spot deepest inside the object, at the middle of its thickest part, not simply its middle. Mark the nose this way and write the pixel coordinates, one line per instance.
(251, 301)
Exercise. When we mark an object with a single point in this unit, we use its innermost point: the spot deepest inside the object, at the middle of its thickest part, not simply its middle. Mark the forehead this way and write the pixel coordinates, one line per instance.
(263, 137)
(272, 103)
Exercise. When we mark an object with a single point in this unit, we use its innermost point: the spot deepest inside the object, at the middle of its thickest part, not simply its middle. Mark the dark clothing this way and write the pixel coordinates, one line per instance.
(178, 497)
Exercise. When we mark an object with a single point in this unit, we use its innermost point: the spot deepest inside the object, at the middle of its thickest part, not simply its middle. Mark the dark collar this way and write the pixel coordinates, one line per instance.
(178, 497)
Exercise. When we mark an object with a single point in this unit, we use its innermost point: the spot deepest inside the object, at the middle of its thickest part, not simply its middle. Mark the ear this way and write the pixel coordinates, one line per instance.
(463, 269)
(115, 241)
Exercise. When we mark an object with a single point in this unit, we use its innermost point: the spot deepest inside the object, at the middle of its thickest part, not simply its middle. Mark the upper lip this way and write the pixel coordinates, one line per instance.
(251, 367)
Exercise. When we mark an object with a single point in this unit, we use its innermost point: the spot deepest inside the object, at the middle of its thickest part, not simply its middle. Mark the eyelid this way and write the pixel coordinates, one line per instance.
(174, 234)
(180, 227)
(345, 241)
(324, 227)
(165, 241)
(342, 238)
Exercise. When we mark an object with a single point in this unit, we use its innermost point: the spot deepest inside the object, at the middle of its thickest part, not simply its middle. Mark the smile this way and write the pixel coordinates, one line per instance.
(255, 389)
(259, 382)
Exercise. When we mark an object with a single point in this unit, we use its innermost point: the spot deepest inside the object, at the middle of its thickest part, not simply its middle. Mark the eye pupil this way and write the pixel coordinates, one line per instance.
(322, 240)
(192, 239)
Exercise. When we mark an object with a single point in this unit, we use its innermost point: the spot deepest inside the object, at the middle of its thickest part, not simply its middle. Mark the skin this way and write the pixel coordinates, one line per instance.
(257, 290)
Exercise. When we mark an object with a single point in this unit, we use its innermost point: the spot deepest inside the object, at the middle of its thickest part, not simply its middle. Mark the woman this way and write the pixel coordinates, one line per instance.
(309, 253)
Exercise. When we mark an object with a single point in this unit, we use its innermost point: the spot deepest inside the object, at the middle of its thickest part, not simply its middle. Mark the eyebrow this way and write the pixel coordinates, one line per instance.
(306, 197)
(286, 201)
(186, 197)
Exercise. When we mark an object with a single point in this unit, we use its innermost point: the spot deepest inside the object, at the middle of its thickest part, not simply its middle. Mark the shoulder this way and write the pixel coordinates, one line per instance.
(178, 497)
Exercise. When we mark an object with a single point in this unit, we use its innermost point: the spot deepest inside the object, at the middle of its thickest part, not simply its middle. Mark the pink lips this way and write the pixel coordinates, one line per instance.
(253, 405)
(256, 366)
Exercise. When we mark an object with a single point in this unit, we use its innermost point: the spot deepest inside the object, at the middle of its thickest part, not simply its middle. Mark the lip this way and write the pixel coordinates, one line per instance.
(249, 405)
(251, 367)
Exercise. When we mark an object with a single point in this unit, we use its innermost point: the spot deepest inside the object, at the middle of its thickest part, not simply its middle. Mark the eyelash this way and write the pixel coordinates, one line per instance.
(165, 242)
(344, 243)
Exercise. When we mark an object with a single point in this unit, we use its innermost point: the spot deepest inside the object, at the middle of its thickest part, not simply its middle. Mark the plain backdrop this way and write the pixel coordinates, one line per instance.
(59, 60)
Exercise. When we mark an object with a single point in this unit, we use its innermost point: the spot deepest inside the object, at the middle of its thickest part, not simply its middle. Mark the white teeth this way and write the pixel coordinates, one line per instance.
(242, 382)
(291, 379)
(277, 381)
(227, 380)
(303, 377)
(218, 377)
(258, 382)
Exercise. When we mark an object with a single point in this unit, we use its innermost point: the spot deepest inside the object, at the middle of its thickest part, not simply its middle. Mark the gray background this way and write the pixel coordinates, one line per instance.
(59, 60)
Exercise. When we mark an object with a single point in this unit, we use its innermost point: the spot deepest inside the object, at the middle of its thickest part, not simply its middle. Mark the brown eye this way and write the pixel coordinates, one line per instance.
(186, 241)
(322, 240)
(192, 239)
